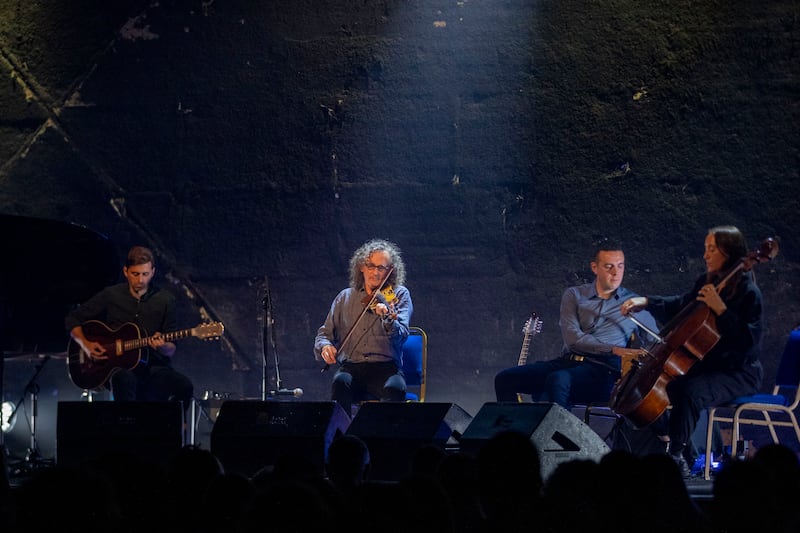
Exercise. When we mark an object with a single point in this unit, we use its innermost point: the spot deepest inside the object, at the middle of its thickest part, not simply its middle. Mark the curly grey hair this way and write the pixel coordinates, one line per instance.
(360, 256)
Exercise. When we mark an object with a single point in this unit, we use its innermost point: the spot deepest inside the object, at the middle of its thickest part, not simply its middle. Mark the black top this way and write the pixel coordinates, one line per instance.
(115, 306)
(740, 327)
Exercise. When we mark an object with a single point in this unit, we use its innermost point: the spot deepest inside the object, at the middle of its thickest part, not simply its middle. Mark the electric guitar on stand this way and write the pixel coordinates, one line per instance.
(532, 327)
(123, 349)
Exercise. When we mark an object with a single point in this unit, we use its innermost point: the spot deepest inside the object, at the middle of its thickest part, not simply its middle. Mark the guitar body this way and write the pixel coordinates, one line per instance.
(123, 349)
(88, 373)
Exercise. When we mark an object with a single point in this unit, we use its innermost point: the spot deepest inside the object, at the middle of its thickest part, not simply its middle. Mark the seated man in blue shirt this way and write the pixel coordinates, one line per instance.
(596, 336)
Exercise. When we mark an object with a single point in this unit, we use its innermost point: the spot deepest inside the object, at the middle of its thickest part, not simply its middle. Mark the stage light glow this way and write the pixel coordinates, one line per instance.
(8, 409)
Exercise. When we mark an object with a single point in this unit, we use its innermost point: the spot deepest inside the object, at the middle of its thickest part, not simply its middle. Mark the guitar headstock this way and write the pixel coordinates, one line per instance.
(533, 325)
(209, 330)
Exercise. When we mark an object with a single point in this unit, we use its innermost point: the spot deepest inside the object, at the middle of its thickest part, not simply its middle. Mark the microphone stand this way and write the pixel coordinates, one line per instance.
(33, 458)
(268, 343)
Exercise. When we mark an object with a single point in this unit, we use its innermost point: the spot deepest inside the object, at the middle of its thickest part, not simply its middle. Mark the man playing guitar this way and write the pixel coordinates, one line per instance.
(131, 309)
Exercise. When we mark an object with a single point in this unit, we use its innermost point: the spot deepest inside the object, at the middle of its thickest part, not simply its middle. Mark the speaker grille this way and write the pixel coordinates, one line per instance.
(88, 431)
(558, 435)
(249, 435)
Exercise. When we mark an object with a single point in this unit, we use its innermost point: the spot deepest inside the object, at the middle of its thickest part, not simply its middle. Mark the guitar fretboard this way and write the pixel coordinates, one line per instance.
(135, 344)
(523, 352)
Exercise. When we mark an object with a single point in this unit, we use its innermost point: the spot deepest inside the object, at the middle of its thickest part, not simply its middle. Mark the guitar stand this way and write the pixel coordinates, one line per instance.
(33, 458)
(197, 412)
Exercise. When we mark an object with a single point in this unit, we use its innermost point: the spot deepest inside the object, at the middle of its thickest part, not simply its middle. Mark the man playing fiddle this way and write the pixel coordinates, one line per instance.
(367, 326)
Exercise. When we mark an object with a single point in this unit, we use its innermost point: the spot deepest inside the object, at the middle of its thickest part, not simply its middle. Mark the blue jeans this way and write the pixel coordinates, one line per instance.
(559, 381)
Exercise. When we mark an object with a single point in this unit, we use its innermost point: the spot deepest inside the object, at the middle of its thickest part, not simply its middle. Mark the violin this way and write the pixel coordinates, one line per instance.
(641, 395)
(385, 296)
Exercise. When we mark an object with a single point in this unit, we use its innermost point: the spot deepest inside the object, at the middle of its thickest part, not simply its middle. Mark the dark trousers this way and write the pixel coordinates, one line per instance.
(151, 384)
(559, 381)
(689, 395)
(367, 381)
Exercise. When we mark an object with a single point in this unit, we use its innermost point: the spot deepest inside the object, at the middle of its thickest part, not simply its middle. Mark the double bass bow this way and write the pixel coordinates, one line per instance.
(640, 395)
(382, 294)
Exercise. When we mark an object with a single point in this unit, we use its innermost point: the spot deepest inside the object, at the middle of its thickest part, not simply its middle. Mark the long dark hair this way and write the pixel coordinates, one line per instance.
(731, 242)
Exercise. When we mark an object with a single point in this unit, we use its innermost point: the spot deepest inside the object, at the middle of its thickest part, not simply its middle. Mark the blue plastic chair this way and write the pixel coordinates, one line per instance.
(783, 402)
(415, 363)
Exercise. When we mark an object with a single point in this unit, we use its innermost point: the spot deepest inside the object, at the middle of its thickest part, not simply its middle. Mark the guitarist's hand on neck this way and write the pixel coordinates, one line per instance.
(163, 347)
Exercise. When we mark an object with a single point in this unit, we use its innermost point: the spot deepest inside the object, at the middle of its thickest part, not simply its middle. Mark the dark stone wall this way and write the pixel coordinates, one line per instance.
(255, 145)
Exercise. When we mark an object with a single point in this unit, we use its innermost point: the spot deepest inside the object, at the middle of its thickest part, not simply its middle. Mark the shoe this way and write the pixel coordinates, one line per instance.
(683, 466)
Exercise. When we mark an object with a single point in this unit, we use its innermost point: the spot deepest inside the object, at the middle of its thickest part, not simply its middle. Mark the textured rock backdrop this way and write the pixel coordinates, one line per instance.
(255, 144)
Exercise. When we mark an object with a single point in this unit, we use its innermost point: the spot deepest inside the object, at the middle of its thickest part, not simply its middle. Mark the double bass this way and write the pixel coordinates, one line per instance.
(641, 395)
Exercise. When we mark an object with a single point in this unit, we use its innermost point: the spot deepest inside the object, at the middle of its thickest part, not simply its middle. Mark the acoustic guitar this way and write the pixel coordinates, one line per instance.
(123, 349)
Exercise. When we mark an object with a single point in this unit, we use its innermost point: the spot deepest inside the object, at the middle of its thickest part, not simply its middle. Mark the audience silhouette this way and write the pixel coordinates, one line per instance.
(500, 488)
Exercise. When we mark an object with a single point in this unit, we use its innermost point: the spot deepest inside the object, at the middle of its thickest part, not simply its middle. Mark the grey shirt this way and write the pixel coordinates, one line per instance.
(372, 340)
(591, 325)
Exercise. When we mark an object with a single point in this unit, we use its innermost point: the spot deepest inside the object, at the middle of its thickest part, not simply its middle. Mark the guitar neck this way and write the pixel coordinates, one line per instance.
(523, 352)
(135, 344)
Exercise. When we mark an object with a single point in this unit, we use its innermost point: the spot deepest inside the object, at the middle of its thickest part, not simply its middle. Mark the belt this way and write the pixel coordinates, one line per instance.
(588, 359)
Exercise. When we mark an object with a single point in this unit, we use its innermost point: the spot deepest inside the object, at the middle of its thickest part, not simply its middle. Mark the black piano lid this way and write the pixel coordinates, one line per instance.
(47, 267)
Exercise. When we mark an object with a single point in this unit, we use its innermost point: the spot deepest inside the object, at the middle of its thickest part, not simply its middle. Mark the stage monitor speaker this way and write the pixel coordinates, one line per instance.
(249, 435)
(89, 431)
(558, 435)
(394, 431)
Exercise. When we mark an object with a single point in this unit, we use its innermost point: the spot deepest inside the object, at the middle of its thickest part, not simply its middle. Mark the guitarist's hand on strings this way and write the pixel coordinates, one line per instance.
(93, 349)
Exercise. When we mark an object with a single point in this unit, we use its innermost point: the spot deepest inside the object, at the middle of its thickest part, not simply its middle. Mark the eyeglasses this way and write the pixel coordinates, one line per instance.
(380, 268)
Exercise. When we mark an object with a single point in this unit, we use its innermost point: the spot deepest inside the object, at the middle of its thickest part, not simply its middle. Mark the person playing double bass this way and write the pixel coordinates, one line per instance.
(367, 326)
(731, 367)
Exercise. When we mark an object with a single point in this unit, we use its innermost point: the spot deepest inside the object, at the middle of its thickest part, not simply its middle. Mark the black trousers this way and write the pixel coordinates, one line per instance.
(367, 381)
(689, 395)
(155, 383)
